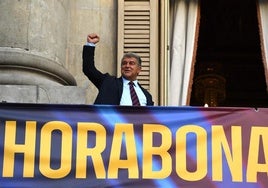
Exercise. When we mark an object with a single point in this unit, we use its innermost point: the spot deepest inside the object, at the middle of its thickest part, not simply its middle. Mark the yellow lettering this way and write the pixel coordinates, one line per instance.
(83, 151)
(253, 157)
(149, 150)
(45, 149)
(131, 163)
(234, 159)
(10, 148)
(201, 152)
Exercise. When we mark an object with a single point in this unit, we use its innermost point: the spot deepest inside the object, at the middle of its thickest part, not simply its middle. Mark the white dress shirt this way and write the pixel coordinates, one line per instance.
(126, 98)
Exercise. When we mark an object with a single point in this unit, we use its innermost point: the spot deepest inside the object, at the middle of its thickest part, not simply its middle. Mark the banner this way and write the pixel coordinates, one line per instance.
(84, 146)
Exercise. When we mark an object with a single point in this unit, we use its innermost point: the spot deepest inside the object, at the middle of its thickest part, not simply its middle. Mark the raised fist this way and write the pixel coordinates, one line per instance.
(93, 38)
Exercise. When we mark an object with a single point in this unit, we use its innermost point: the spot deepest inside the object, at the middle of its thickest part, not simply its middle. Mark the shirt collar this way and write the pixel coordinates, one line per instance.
(125, 81)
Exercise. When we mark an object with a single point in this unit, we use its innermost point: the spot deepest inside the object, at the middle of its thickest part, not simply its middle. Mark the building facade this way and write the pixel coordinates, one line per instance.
(41, 47)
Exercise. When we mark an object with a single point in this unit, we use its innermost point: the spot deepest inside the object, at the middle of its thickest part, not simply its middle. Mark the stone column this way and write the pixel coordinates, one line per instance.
(33, 42)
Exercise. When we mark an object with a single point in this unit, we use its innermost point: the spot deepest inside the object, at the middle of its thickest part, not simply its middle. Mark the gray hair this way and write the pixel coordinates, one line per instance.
(131, 54)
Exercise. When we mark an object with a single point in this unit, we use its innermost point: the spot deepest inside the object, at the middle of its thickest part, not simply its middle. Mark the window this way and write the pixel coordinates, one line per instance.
(138, 33)
(229, 43)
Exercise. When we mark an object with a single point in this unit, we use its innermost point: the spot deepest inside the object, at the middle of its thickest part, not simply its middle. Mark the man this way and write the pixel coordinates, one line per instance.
(113, 90)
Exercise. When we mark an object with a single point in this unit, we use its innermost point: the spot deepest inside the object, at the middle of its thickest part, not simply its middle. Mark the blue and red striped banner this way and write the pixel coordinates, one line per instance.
(84, 146)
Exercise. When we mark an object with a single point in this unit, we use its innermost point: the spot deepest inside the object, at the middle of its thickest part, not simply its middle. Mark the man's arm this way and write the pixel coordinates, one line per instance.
(89, 69)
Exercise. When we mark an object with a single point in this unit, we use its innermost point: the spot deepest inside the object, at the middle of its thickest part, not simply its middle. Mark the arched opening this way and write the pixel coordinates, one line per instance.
(229, 69)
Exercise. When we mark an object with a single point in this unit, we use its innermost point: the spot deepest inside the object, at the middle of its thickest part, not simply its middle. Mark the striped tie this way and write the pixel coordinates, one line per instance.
(134, 97)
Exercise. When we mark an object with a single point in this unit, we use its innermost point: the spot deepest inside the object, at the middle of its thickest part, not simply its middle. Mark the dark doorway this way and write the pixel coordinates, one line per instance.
(229, 47)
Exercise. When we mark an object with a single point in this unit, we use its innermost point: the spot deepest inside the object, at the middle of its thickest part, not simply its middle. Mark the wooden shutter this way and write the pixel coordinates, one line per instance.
(138, 33)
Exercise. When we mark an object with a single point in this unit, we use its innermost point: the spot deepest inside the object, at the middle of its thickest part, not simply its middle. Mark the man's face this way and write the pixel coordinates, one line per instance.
(130, 68)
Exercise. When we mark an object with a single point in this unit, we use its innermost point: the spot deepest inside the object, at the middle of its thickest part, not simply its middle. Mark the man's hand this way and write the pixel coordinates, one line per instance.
(93, 38)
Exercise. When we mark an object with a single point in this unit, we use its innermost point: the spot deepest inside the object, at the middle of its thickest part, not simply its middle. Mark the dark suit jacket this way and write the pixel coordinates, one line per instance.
(110, 87)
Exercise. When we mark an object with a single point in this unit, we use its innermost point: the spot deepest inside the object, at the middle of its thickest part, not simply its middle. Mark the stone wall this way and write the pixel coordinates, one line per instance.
(88, 16)
(41, 45)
